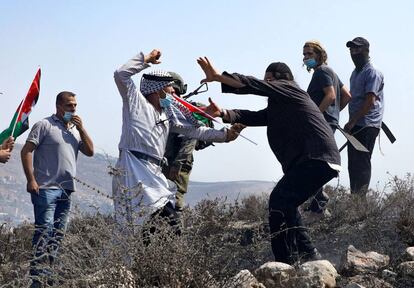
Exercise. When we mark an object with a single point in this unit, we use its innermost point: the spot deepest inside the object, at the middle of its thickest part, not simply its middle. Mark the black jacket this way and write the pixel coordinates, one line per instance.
(296, 129)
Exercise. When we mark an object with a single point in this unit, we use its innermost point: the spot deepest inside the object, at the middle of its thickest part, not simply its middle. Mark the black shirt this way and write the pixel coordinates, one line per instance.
(296, 129)
(324, 77)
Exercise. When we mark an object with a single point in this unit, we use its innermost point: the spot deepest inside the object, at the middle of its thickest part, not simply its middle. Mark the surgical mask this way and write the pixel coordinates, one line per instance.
(310, 63)
(166, 102)
(67, 116)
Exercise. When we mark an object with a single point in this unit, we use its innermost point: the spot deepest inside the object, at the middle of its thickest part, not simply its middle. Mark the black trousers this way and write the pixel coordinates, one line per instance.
(321, 199)
(288, 235)
(359, 163)
(170, 216)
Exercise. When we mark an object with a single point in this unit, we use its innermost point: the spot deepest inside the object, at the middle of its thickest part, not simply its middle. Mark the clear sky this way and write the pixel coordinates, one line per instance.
(78, 45)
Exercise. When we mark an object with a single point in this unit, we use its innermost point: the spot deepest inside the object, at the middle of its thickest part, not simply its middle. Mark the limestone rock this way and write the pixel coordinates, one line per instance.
(319, 273)
(410, 253)
(275, 274)
(357, 262)
(388, 274)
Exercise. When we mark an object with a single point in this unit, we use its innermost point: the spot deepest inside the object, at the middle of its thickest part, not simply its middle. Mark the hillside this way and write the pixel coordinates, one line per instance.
(16, 207)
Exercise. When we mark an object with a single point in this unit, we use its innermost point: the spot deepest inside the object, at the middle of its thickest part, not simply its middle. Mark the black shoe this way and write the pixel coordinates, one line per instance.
(36, 284)
(311, 256)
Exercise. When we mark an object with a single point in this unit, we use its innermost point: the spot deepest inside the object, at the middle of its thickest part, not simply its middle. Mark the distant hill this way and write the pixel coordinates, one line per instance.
(16, 207)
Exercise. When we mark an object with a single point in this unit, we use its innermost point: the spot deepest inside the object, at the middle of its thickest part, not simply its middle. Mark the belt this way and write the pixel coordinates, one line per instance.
(151, 159)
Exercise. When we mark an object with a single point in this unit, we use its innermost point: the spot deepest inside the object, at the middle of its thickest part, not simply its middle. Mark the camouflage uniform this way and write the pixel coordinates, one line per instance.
(179, 150)
(179, 154)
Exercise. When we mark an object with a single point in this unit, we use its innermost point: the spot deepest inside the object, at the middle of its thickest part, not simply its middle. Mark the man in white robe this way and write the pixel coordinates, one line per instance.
(139, 187)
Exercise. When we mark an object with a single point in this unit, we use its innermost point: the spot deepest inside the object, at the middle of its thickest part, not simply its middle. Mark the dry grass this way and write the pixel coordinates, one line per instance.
(217, 241)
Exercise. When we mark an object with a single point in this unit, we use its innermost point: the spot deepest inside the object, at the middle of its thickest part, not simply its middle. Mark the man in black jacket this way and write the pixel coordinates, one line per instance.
(301, 140)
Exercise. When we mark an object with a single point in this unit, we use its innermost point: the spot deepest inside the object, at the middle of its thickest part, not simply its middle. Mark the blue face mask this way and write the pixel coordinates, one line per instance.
(166, 102)
(310, 63)
(67, 116)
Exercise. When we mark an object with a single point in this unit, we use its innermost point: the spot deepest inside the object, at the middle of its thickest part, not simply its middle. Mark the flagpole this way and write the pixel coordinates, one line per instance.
(203, 113)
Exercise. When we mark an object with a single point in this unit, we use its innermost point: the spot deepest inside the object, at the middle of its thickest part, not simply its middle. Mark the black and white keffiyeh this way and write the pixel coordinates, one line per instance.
(154, 81)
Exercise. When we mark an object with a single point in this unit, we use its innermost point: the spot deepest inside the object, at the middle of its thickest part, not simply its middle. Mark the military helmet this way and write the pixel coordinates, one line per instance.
(178, 84)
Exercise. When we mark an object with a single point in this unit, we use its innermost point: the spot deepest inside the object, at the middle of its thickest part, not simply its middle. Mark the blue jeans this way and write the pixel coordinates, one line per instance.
(51, 211)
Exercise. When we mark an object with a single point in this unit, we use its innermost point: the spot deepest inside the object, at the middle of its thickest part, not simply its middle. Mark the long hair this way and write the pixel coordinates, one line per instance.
(319, 50)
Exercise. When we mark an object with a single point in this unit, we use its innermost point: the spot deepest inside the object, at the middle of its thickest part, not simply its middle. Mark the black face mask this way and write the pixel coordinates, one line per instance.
(359, 60)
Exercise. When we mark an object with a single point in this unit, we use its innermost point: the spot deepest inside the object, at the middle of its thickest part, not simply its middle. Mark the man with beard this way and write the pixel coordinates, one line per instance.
(301, 140)
(150, 113)
(366, 110)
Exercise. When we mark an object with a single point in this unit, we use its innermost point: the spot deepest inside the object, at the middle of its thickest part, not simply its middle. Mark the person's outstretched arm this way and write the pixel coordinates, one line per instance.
(212, 74)
(241, 84)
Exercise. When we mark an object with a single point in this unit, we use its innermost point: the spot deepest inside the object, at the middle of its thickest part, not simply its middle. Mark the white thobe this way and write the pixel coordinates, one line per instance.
(139, 187)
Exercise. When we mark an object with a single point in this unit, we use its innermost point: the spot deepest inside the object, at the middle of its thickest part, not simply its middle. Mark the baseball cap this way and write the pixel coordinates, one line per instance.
(358, 42)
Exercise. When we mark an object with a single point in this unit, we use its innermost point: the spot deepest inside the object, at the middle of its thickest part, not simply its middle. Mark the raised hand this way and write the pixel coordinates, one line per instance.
(77, 121)
(211, 73)
(153, 57)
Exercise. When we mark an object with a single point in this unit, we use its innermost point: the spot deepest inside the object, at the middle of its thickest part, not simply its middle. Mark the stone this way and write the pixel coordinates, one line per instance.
(357, 262)
(409, 252)
(275, 274)
(320, 273)
(388, 274)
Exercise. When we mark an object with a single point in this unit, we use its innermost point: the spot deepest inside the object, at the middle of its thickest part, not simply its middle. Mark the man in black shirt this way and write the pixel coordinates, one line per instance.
(301, 140)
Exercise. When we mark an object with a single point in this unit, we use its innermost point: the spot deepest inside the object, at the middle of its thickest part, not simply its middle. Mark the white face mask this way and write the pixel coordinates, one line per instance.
(67, 116)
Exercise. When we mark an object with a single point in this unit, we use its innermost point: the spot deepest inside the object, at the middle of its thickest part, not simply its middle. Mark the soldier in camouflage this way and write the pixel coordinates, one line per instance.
(179, 152)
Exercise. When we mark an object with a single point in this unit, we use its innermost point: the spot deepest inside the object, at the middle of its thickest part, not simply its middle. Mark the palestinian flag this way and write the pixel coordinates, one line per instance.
(194, 109)
(20, 122)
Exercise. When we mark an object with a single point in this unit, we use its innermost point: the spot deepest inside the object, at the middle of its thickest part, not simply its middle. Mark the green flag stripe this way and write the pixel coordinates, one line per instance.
(20, 128)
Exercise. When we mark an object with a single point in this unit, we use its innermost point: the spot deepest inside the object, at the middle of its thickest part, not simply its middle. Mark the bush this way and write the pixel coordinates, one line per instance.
(96, 252)
(217, 240)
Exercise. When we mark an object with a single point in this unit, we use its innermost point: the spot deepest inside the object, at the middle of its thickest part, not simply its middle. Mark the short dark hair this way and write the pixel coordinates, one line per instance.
(61, 95)
(280, 71)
